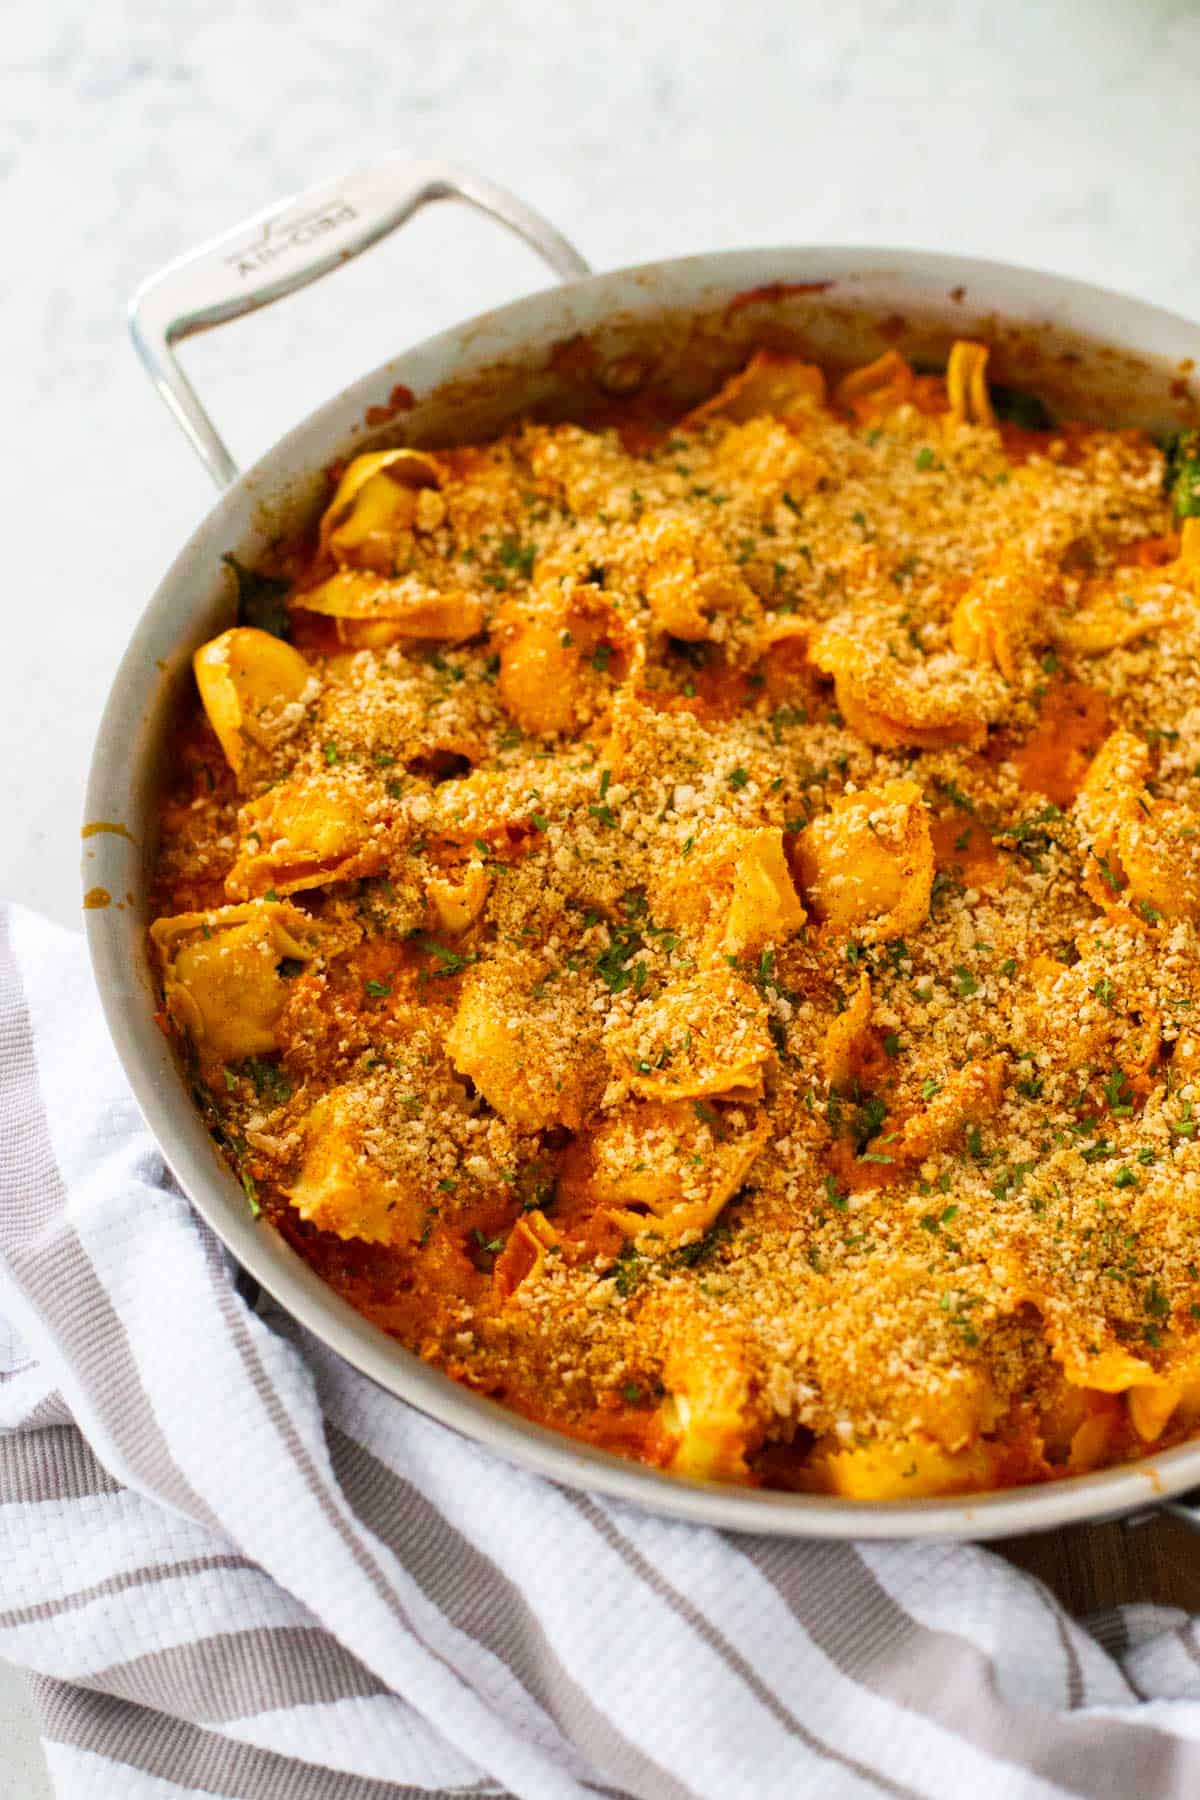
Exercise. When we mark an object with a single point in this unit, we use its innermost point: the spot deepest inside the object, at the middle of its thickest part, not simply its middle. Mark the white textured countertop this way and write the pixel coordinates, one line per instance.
(1064, 134)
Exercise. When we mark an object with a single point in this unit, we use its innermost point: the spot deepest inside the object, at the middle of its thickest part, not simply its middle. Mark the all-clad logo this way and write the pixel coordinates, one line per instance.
(279, 236)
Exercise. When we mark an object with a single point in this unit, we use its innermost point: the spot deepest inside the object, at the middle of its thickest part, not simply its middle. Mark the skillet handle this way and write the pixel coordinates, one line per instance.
(1185, 1507)
(291, 244)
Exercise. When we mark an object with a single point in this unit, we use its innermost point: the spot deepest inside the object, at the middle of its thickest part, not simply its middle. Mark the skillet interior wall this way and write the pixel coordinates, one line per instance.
(667, 360)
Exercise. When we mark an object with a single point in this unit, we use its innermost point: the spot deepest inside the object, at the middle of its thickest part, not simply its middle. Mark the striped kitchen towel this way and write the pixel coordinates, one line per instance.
(232, 1566)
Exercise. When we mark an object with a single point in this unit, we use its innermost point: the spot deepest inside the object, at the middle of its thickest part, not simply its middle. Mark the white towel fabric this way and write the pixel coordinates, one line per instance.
(235, 1567)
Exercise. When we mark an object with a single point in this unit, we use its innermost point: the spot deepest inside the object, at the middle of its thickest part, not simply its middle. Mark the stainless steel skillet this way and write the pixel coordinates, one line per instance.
(677, 326)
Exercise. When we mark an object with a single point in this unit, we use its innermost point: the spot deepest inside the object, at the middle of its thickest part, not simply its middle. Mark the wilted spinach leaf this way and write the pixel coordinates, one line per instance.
(260, 599)
(1182, 478)
(1017, 407)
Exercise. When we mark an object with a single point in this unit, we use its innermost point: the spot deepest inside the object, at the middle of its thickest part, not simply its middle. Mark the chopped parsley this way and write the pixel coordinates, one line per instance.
(517, 556)
(449, 962)
(628, 1271)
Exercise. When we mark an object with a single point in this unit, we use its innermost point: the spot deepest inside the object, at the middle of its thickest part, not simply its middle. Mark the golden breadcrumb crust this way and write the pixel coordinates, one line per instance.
(716, 916)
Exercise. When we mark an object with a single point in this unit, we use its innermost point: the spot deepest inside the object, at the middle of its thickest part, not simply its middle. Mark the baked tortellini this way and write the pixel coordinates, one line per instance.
(771, 383)
(254, 688)
(736, 892)
(226, 974)
(867, 864)
(318, 828)
(372, 611)
(561, 652)
(927, 704)
(705, 1035)
(695, 592)
(709, 1416)
(521, 1034)
(689, 920)
(1141, 852)
(374, 1150)
(663, 1170)
(380, 501)
(966, 384)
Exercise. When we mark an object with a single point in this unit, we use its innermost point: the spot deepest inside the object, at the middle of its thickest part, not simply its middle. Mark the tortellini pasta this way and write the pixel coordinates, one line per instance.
(523, 1035)
(379, 500)
(372, 611)
(307, 831)
(877, 387)
(254, 688)
(702, 1036)
(223, 976)
(457, 903)
(846, 1043)
(867, 864)
(562, 649)
(1111, 789)
(531, 1240)
(969, 1094)
(1160, 855)
(708, 1416)
(341, 1187)
(782, 467)
(1151, 1396)
(929, 704)
(694, 592)
(735, 892)
(772, 383)
(914, 1468)
(384, 1153)
(966, 384)
(1141, 852)
(999, 613)
(663, 1170)
(1114, 612)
